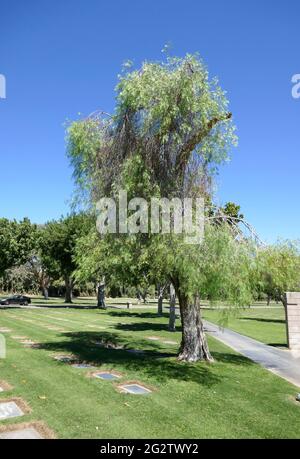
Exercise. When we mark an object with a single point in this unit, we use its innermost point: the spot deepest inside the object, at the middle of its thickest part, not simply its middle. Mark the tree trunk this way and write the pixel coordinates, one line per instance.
(172, 316)
(69, 288)
(194, 345)
(46, 293)
(101, 295)
(144, 296)
(160, 300)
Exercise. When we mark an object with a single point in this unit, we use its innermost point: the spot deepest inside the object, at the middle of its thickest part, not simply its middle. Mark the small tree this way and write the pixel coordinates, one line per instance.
(17, 241)
(278, 269)
(58, 248)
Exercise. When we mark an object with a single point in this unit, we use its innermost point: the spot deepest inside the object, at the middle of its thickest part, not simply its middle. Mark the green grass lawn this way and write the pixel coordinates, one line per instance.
(232, 398)
(264, 324)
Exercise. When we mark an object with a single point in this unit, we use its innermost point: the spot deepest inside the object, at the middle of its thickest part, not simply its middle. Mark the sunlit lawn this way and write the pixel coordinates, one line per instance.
(232, 398)
(264, 324)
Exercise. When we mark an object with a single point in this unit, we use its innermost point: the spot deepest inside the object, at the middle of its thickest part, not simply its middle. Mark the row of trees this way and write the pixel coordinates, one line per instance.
(33, 257)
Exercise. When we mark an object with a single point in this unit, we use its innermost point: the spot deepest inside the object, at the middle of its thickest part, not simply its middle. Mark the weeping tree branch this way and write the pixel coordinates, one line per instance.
(196, 139)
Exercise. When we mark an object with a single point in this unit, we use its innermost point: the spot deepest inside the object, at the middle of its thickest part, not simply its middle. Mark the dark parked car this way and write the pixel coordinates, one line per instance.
(15, 299)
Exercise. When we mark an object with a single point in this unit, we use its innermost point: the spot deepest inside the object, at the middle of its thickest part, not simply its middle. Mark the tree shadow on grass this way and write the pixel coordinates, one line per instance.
(139, 315)
(66, 306)
(144, 326)
(257, 319)
(153, 362)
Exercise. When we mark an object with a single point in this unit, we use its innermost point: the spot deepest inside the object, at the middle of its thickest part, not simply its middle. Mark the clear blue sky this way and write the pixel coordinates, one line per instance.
(62, 57)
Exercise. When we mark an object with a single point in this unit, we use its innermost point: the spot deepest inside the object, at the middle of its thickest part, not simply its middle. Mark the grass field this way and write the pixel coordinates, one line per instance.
(264, 324)
(232, 398)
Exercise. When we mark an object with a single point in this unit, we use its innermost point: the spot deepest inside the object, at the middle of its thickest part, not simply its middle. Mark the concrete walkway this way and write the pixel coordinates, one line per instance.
(284, 363)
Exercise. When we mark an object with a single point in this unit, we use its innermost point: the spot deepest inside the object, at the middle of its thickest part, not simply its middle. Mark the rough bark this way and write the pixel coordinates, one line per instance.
(46, 293)
(69, 289)
(172, 316)
(194, 345)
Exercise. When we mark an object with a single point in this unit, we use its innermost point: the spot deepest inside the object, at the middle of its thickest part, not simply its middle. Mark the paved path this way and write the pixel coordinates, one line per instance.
(284, 363)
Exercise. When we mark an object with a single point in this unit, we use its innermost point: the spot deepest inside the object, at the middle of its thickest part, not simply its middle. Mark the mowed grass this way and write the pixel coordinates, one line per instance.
(232, 398)
(263, 324)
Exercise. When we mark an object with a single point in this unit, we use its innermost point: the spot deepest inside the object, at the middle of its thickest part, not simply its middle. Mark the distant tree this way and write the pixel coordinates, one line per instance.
(20, 279)
(278, 269)
(232, 210)
(57, 248)
(17, 241)
(39, 272)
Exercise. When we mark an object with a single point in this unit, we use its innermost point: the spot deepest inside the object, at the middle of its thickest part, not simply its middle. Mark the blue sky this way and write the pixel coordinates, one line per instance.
(62, 57)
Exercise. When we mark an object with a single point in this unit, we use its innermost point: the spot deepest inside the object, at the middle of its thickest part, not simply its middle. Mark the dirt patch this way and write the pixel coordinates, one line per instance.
(5, 386)
(39, 426)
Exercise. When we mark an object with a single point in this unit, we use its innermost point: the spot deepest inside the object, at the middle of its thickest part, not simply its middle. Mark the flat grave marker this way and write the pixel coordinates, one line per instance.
(135, 389)
(82, 365)
(106, 375)
(35, 430)
(66, 358)
(27, 433)
(9, 410)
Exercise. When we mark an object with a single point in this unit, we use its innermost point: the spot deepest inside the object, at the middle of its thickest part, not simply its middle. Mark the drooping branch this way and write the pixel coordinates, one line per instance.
(196, 139)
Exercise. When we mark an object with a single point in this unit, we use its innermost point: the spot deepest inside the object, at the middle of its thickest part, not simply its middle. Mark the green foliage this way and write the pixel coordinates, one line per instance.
(17, 241)
(171, 113)
(58, 244)
(20, 279)
(232, 210)
(218, 269)
(175, 99)
(84, 140)
(278, 269)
